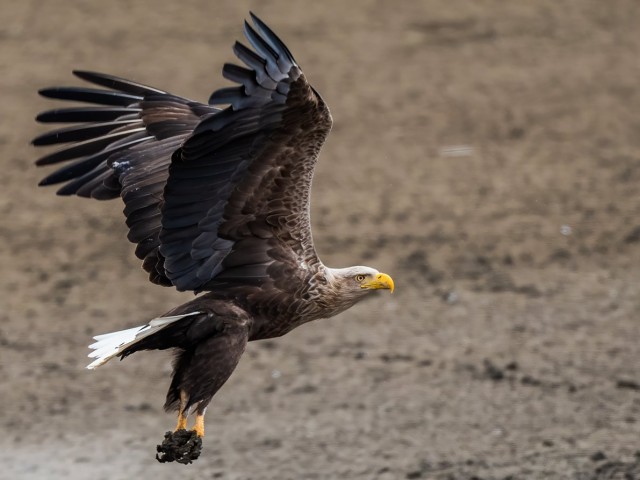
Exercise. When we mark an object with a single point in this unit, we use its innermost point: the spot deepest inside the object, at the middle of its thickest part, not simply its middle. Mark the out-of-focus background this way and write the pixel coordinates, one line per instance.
(486, 154)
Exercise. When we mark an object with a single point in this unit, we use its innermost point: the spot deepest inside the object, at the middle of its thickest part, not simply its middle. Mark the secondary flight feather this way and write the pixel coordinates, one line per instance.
(217, 201)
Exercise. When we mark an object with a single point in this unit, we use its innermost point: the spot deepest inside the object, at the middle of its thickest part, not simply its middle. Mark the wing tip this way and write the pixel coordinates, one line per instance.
(84, 73)
(46, 91)
(270, 36)
(256, 20)
(43, 117)
(42, 162)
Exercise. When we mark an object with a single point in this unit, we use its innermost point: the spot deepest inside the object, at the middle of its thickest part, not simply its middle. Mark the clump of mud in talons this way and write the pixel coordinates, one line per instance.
(182, 446)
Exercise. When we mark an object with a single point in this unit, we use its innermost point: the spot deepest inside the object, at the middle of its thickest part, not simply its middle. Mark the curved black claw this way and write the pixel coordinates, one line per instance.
(182, 446)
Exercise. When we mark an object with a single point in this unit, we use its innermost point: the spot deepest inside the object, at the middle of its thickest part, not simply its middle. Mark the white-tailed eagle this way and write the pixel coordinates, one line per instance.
(217, 201)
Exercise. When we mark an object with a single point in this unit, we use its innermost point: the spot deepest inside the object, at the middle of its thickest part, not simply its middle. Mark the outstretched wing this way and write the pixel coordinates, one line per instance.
(212, 198)
(236, 203)
(121, 145)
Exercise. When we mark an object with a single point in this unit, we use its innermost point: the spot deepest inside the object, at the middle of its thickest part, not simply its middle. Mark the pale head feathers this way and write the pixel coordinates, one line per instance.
(349, 285)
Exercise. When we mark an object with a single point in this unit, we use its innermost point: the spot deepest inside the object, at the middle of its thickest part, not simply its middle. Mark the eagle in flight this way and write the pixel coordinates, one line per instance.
(217, 201)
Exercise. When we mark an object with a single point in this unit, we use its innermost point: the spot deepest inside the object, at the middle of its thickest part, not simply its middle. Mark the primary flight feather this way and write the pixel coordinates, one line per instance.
(217, 201)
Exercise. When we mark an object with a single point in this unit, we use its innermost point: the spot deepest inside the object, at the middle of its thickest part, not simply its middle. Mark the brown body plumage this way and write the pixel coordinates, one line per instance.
(217, 201)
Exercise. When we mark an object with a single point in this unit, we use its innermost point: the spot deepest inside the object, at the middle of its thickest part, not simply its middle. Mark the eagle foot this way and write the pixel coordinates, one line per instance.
(182, 446)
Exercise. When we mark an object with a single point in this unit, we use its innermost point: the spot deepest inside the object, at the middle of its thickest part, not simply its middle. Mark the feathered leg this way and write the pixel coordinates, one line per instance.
(199, 372)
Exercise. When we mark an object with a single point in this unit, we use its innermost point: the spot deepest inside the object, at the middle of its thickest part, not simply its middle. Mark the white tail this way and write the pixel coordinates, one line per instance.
(111, 344)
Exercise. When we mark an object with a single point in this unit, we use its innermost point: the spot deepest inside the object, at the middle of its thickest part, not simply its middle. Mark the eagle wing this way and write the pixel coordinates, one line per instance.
(236, 206)
(213, 198)
(122, 146)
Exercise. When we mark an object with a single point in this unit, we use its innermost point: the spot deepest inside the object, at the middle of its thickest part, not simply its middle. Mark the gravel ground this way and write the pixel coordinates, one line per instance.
(486, 154)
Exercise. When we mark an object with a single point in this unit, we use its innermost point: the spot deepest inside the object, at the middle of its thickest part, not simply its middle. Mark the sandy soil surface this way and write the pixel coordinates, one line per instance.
(486, 154)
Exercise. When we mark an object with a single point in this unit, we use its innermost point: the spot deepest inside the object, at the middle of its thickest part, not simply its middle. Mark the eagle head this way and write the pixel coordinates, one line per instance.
(350, 285)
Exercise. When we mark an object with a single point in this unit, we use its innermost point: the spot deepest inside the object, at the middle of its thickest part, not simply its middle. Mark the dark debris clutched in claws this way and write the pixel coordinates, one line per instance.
(182, 446)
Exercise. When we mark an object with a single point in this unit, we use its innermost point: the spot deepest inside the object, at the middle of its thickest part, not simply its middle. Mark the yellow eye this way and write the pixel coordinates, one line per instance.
(360, 278)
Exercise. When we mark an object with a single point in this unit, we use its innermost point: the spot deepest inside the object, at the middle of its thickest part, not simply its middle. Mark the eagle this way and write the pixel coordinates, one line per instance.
(217, 199)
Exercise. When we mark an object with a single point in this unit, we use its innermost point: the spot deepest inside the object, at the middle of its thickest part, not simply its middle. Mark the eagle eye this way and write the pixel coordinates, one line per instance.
(360, 278)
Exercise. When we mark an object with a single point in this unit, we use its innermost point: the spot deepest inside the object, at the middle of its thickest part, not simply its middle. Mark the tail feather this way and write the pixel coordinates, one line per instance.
(109, 345)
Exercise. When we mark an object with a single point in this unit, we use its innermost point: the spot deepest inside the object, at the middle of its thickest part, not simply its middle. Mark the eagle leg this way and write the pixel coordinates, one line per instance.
(182, 414)
(201, 367)
(182, 422)
(199, 426)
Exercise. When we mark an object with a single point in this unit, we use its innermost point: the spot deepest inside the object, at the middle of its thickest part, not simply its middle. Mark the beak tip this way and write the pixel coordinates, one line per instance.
(387, 281)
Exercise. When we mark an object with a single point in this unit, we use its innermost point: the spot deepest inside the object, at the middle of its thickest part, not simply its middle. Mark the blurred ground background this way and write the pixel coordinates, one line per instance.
(486, 154)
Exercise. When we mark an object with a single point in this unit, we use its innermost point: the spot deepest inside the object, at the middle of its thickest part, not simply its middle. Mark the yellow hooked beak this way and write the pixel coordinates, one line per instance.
(382, 280)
